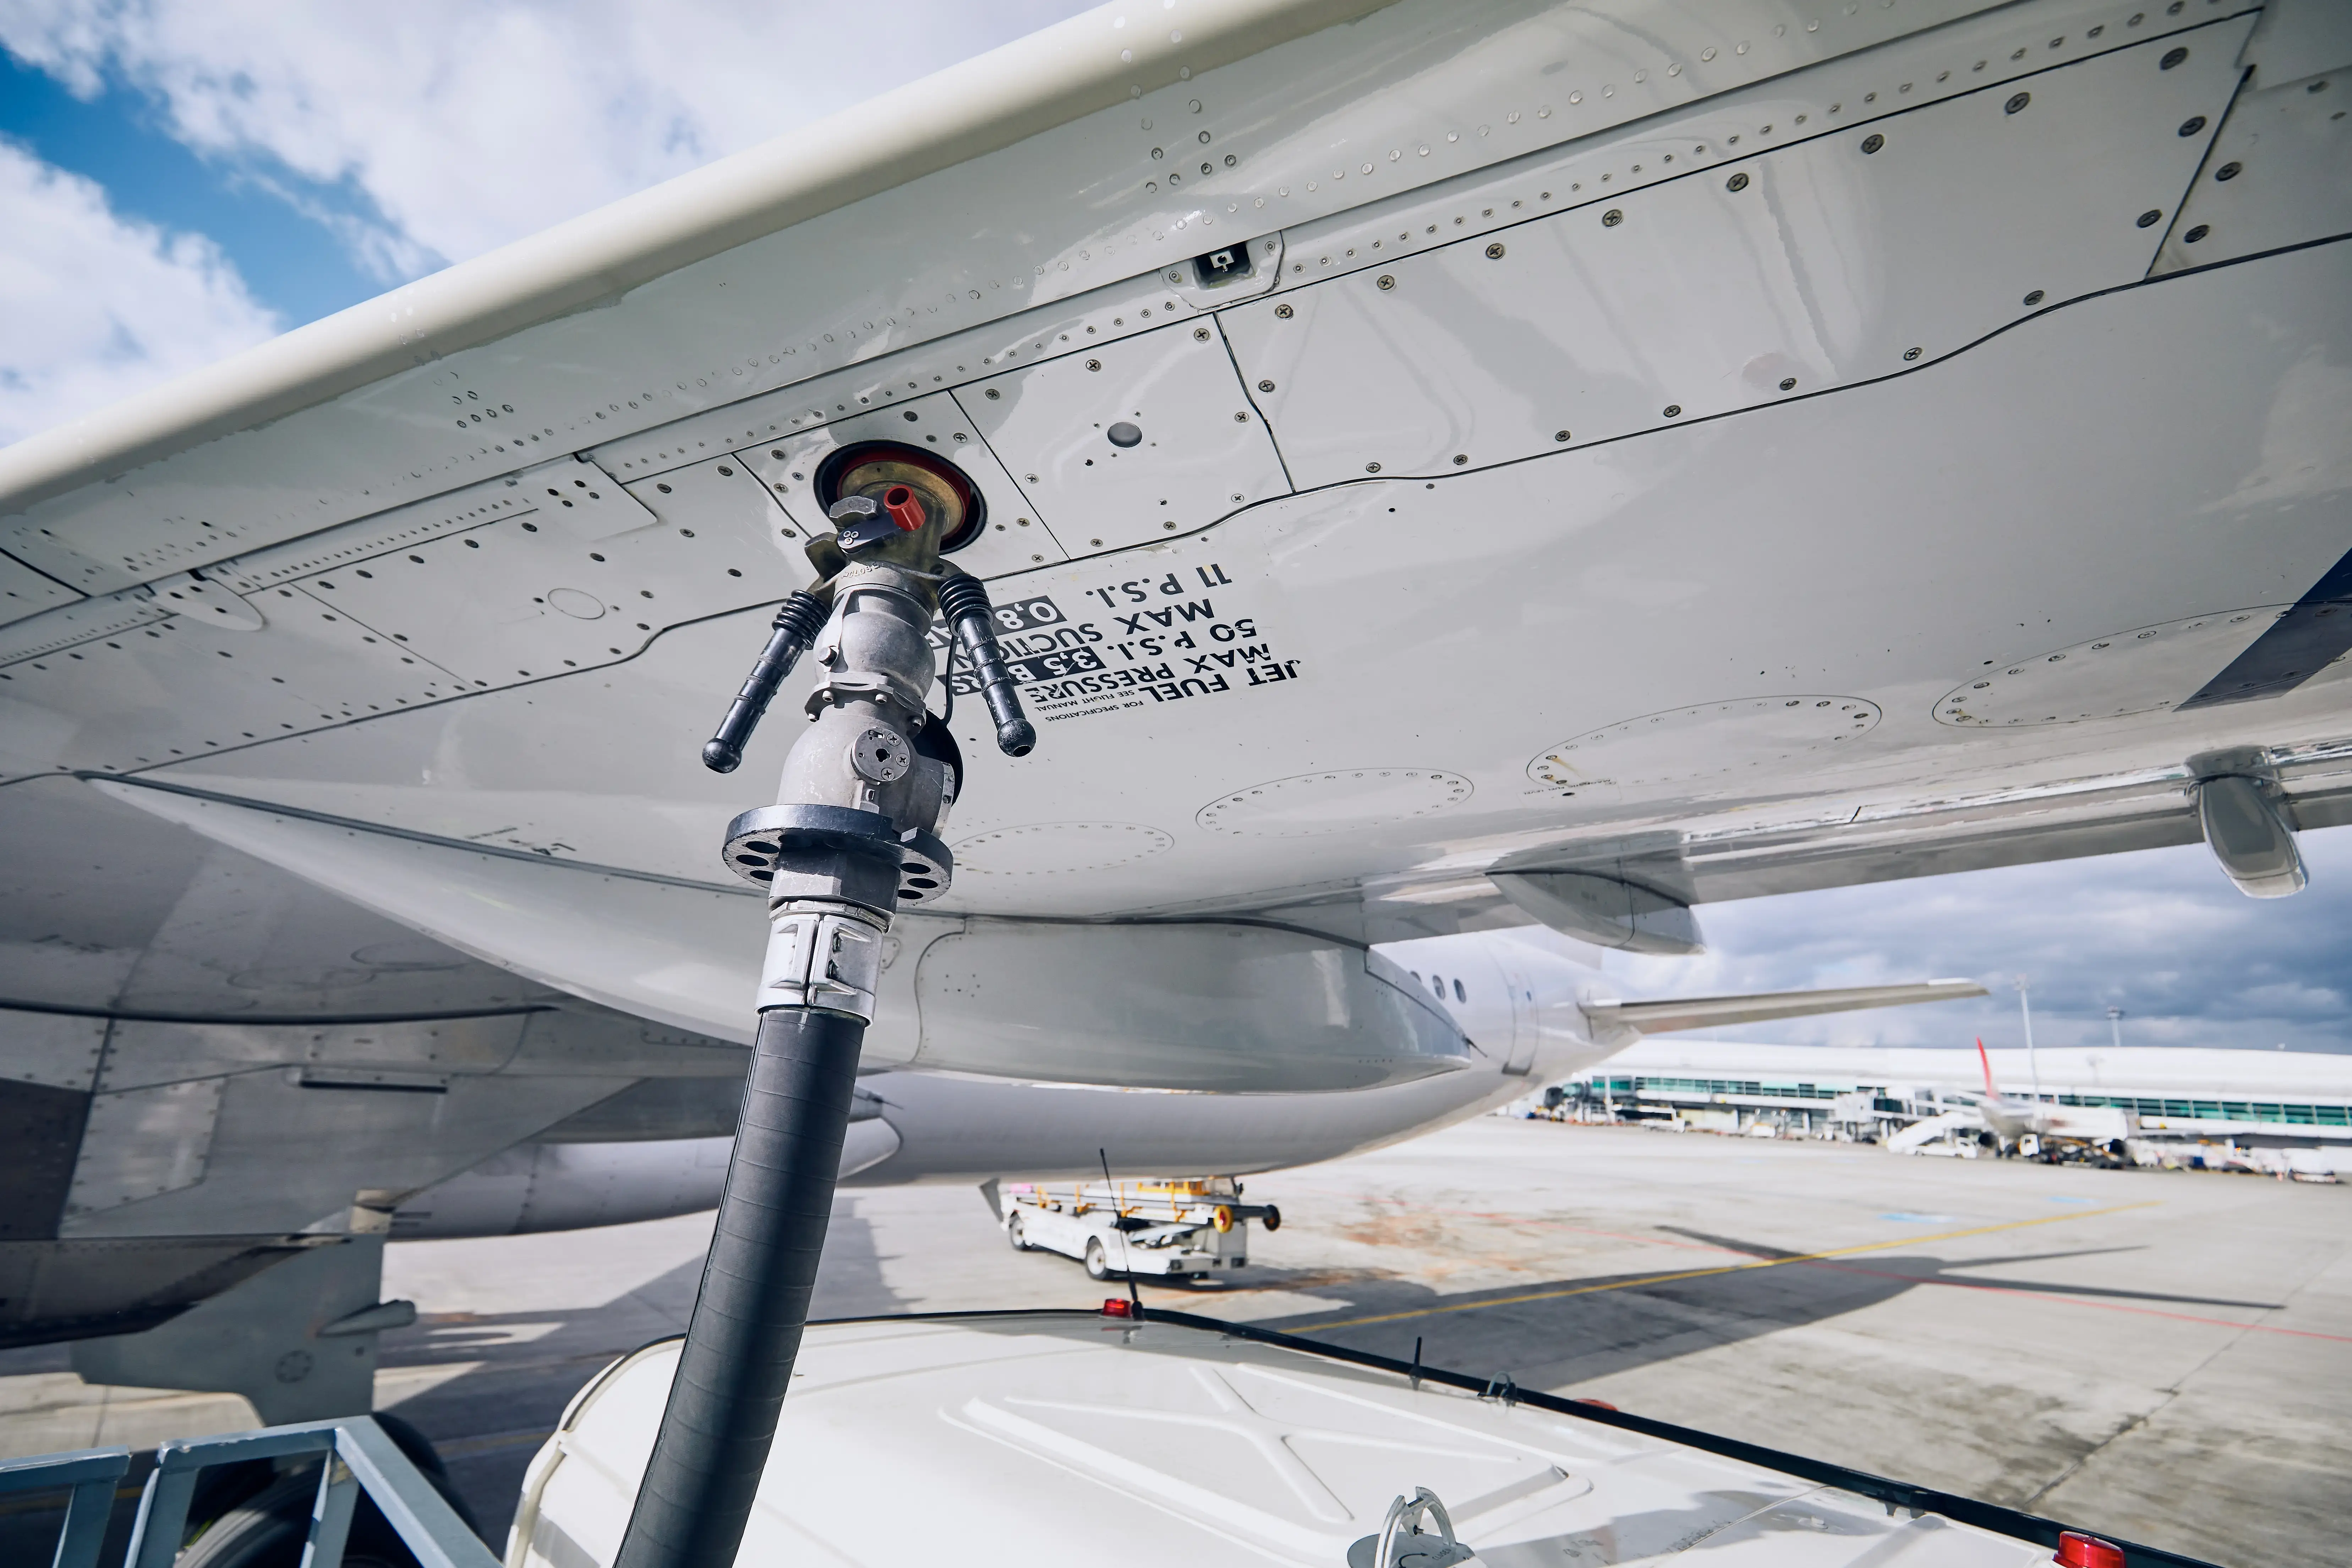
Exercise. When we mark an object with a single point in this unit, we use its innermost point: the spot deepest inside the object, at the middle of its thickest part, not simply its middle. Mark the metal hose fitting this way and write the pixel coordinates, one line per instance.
(797, 622)
(964, 602)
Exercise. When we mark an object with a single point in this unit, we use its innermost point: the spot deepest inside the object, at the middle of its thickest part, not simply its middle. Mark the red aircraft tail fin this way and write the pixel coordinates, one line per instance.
(1989, 1091)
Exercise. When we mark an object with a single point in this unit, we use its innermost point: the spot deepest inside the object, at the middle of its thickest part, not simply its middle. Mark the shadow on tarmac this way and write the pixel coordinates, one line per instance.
(1558, 1334)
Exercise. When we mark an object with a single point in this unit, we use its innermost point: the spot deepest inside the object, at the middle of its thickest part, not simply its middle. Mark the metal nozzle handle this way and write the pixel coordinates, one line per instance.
(970, 616)
(794, 628)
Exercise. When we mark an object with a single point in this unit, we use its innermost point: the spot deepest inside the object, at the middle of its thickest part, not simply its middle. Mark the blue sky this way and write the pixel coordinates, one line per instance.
(180, 179)
(292, 264)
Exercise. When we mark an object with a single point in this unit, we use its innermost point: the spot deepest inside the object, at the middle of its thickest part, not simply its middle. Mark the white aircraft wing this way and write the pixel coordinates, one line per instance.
(1667, 1015)
(1445, 465)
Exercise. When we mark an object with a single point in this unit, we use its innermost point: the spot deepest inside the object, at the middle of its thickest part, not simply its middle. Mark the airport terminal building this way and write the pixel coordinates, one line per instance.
(2255, 1098)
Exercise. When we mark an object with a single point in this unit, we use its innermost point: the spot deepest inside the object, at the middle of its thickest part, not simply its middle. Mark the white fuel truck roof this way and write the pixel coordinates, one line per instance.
(1066, 1438)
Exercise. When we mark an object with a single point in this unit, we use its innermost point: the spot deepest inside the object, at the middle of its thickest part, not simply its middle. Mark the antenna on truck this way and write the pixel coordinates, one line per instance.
(1135, 1298)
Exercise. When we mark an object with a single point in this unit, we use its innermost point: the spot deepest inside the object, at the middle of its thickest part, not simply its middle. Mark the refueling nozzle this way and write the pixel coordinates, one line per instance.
(797, 622)
(963, 604)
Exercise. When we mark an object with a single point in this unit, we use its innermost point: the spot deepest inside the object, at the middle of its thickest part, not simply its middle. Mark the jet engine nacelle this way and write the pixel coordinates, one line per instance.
(1209, 1004)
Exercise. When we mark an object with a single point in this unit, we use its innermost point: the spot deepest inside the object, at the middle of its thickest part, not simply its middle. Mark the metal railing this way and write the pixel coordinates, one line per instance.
(357, 1456)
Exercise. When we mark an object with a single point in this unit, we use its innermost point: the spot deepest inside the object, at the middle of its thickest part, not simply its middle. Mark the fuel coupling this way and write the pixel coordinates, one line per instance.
(855, 834)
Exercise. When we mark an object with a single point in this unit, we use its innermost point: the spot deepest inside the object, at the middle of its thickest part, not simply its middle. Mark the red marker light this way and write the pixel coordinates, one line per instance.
(2077, 1550)
(906, 511)
(1119, 1307)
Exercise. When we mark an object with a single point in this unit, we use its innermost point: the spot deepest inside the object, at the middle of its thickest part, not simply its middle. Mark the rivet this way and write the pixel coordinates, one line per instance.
(1385, 281)
(1789, 383)
(1911, 353)
(1674, 411)
(1612, 218)
(2148, 219)
(1495, 251)
(2192, 125)
(2016, 102)
(1873, 142)
(2193, 235)
(1265, 386)
(1283, 311)
(2035, 298)
(2228, 171)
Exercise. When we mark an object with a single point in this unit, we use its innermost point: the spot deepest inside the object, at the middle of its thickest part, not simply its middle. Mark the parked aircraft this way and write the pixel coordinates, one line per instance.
(1438, 467)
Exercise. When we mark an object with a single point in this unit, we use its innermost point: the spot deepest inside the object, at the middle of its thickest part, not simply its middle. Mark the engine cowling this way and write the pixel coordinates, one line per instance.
(1209, 1005)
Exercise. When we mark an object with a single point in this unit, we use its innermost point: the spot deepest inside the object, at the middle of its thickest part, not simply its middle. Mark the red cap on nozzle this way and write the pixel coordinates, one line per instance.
(906, 511)
(1116, 1308)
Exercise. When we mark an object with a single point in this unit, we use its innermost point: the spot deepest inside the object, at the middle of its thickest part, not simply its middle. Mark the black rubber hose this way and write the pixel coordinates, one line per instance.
(746, 1330)
(797, 622)
(964, 602)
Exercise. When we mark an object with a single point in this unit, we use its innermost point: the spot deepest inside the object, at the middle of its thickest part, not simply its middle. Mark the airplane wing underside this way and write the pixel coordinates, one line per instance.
(1469, 463)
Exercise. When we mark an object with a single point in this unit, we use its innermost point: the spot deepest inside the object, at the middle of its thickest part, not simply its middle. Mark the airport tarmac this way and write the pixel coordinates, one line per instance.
(2158, 1356)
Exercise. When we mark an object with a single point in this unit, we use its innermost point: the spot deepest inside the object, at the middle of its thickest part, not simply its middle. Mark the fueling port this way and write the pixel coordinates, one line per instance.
(875, 469)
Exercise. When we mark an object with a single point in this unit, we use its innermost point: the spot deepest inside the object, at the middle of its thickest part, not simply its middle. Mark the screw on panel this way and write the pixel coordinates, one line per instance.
(1788, 383)
(2192, 125)
(2193, 235)
(1283, 311)
(1737, 183)
(1495, 251)
(1094, 364)
(2228, 171)
(1265, 386)
(1911, 353)
(2016, 103)
(1612, 218)
(2171, 59)
(2035, 298)
(1460, 458)
(1674, 411)
(2148, 218)
(1873, 142)
(1241, 419)
(992, 395)
(1559, 436)
(1385, 281)
(1371, 467)
(1200, 334)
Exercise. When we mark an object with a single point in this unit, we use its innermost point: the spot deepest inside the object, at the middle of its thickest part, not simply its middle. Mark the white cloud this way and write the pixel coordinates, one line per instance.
(94, 307)
(2161, 933)
(461, 124)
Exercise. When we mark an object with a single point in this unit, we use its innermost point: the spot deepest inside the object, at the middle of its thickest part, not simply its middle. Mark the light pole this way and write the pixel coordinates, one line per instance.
(2025, 1010)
